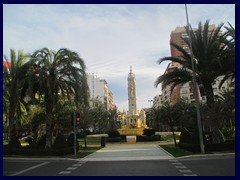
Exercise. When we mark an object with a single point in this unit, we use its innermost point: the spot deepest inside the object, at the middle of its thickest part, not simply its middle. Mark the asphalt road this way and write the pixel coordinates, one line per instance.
(199, 166)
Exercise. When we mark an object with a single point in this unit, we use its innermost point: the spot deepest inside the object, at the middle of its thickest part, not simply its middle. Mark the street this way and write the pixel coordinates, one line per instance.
(211, 166)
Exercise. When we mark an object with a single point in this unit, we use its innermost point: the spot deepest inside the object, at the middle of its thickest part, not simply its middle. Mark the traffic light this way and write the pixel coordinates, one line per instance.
(77, 118)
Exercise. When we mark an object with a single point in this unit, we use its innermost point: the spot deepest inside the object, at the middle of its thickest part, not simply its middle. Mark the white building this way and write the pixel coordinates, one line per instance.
(99, 92)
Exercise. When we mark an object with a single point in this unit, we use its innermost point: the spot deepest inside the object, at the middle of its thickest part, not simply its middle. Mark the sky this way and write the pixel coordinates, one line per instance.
(109, 37)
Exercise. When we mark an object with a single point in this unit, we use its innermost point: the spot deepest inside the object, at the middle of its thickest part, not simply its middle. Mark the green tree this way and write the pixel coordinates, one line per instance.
(168, 117)
(13, 81)
(213, 59)
(56, 73)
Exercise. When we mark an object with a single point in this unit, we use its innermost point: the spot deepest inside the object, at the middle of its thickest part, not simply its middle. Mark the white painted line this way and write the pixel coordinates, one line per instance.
(72, 168)
(82, 162)
(65, 172)
(190, 175)
(181, 167)
(28, 169)
(185, 171)
(178, 163)
(77, 165)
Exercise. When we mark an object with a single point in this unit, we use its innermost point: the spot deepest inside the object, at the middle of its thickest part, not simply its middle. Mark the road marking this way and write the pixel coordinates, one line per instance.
(65, 172)
(173, 160)
(77, 165)
(178, 163)
(82, 162)
(28, 169)
(190, 175)
(72, 168)
(181, 167)
(185, 171)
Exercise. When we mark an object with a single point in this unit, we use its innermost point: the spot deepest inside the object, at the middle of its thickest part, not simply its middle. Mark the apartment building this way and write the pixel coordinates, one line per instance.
(99, 92)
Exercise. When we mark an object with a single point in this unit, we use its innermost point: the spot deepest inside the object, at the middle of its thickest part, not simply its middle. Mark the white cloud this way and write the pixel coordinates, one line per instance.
(109, 38)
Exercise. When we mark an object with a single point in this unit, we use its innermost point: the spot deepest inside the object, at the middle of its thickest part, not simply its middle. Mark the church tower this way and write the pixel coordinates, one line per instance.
(132, 99)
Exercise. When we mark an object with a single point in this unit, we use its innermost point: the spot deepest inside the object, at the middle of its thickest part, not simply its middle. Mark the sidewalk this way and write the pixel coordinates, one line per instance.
(129, 152)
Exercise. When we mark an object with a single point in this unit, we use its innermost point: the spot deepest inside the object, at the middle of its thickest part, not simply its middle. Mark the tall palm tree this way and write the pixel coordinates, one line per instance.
(54, 74)
(209, 50)
(213, 59)
(13, 81)
(229, 52)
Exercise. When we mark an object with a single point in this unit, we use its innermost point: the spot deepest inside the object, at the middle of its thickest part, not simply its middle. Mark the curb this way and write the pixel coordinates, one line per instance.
(206, 155)
(40, 158)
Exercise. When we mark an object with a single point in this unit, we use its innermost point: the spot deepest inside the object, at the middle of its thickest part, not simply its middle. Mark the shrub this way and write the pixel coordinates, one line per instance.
(14, 143)
(41, 143)
(38, 152)
(113, 134)
(228, 133)
(185, 136)
(114, 139)
(148, 138)
(60, 142)
(148, 132)
(70, 141)
(220, 147)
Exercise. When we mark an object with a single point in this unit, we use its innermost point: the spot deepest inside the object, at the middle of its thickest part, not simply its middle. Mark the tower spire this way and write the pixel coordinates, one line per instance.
(130, 69)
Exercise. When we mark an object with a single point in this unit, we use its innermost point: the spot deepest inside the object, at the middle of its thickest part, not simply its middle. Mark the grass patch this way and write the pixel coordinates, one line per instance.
(175, 151)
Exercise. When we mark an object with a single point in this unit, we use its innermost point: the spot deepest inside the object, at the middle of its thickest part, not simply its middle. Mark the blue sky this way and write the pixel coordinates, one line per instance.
(109, 38)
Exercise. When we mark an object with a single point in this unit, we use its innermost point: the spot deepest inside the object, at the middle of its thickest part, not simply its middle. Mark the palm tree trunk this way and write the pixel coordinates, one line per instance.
(216, 137)
(48, 132)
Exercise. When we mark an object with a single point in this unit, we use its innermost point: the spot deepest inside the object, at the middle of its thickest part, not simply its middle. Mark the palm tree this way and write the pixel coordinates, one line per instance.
(14, 80)
(54, 74)
(209, 50)
(229, 43)
(213, 59)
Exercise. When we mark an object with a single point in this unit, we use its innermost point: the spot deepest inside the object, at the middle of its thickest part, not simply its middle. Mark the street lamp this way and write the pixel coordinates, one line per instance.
(195, 88)
(150, 101)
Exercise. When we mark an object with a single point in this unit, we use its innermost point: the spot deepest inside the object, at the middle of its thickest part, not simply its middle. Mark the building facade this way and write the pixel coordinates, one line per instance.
(99, 92)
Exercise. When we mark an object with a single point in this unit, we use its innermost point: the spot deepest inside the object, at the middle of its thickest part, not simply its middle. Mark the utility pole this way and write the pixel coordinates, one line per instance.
(75, 134)
(195, 88)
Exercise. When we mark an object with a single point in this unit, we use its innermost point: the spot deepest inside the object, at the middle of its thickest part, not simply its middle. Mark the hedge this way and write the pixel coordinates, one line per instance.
(114, 139)
(148, 138)
(39, 152)
(226, 146)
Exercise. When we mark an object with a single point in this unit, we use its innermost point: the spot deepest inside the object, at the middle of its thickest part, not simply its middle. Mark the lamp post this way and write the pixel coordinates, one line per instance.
(195, 88)
(150, 101)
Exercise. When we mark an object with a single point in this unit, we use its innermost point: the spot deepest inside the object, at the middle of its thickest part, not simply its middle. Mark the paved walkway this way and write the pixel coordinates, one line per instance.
(128, 153)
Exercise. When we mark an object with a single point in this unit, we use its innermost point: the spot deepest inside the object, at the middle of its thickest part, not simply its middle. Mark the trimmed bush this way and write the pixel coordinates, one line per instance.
(123, 138)
(38, 152)
(148, 138)
(60, 142)
(113, 134)
(227, 146)
(14, 143)
(148, 132)
(114, 139)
